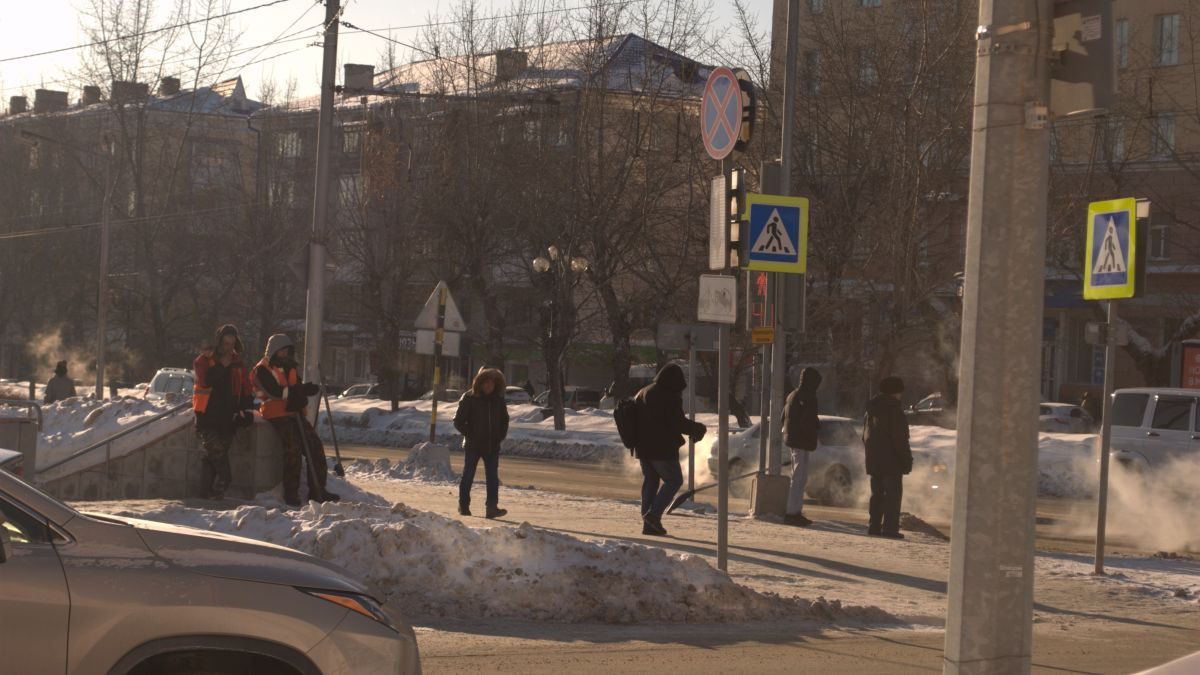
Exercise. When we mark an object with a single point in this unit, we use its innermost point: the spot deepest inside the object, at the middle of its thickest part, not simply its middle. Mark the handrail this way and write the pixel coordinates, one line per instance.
(22, 403)
(120, 434)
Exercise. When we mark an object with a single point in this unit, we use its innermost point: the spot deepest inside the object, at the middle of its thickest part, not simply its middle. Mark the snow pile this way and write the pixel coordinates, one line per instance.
(75, 423)
(1158, 577)
(346, 491)
(427, 463)
(432, 565)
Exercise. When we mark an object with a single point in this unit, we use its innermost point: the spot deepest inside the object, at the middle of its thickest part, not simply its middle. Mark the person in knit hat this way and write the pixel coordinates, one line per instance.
(889, 457)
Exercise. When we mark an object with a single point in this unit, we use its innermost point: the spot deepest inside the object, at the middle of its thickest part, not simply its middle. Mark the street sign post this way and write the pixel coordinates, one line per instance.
(438, 316)
(1113, 269)
(722, 113)
(763, 335)
(778, 240)
(718, 299)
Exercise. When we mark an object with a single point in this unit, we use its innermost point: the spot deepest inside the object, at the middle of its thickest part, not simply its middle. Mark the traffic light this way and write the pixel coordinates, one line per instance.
(737, 206)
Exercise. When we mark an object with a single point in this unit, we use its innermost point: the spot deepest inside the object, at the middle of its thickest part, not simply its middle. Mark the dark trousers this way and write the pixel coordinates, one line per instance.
(661, 479)
(215, 472)
(491, 471)
(296, 434)
(886, 492)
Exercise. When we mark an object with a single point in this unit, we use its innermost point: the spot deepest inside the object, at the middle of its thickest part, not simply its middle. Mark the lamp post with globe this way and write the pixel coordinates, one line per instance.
(557, 273)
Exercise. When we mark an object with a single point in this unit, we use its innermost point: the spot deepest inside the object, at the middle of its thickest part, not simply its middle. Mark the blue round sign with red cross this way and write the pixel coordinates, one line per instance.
(721, 113)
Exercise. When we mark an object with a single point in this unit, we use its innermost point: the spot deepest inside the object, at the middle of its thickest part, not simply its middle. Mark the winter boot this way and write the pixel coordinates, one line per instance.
(496, 512)
(874, 531)
(892, 535)
(292, 501)
(652, 525)
(464, 510)
(797, 520)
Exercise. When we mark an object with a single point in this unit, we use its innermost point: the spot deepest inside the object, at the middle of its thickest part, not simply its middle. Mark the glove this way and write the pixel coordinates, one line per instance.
(296, 400)
(244, 418)
(698, 432)
(310, 389)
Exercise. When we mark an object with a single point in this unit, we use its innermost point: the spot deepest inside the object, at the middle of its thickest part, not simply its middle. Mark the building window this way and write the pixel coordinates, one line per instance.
(867, 72)
(1123, 43)
(816, 6)
(287, 144)
(282, 194)
(870, 3)
(812, 73)
(1159, 246)
(350, 192)
(1162, 138)
(1166, 40)
(351, 141)
(35, 157)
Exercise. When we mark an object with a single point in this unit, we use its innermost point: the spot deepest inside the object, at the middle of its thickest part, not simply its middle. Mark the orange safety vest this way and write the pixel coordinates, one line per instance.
(272, 407)
(200, 395)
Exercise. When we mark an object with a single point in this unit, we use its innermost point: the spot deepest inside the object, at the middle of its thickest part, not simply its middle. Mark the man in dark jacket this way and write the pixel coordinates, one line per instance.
(661, 425)
(60, 386)
(221, 402)
(800, 429)
(889, 457)
(284, 400)
(482, 419)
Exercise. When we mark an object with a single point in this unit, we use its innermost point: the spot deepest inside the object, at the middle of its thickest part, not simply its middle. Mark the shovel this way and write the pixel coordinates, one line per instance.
(688, 495)
(337, 467)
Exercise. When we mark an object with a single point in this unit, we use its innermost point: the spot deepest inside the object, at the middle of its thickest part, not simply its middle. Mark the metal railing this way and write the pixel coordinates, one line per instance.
(107, 442)
(22, 403)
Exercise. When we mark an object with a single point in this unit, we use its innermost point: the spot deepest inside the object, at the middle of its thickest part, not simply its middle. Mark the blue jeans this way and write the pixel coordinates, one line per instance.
(656, 499)
(491, 469)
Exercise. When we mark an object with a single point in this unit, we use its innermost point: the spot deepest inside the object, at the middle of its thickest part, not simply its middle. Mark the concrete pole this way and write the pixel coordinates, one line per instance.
(1110, 374)
(989, 619)
(438, 337)
(314, 309)
(723, 384)
(778, 288)
(692, 382)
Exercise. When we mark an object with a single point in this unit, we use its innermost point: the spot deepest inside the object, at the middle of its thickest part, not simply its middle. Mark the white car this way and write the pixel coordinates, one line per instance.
(835, 469)
(174, 384)
(11, 461)
(1152, 428)
(517, 396)
(361, 391)
(1064, 418)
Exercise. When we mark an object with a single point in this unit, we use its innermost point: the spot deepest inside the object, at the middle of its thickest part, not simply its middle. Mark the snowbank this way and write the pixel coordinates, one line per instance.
(431, 565)
(75, 423)
(426, 463)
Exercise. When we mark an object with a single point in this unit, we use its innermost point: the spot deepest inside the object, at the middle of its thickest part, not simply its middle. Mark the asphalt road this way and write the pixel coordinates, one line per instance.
(1058, 519)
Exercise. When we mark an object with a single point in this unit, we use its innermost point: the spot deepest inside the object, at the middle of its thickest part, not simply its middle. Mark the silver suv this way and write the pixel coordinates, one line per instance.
(1152, 427)
(90, 594)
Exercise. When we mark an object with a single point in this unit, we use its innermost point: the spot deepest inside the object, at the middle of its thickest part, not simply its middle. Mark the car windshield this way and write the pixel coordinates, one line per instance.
(837, 433)
(172, 383)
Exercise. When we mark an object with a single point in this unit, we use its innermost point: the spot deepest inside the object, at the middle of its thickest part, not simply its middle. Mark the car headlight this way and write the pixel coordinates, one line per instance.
(939, 468)
(355, 603)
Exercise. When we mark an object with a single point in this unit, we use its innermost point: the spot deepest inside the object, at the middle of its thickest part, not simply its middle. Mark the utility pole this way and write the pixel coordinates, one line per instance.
(102, 298)
(989, 619)
(314, 310)
(1110, 375)
(778, 287)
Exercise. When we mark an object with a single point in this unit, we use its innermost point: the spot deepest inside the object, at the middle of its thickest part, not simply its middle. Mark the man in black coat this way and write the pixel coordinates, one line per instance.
(889, 457)
(482, 419)
(800, 430)
(661, 425)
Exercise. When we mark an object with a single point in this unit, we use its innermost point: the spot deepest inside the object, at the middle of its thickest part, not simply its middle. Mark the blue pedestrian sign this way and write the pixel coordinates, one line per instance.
(778, 233)
(1110, 268)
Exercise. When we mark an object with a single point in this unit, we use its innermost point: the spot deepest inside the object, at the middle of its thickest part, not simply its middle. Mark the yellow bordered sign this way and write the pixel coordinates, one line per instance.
(778, 233)
(763, 335)
(1110, 267)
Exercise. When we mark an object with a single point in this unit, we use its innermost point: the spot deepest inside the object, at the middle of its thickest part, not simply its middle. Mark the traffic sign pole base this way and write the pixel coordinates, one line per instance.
(769, 495)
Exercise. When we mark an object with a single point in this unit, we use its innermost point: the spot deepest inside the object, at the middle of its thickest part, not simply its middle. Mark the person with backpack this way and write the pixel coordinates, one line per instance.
(482, 419)
(656, 436)
(801, 427)
(889, 457)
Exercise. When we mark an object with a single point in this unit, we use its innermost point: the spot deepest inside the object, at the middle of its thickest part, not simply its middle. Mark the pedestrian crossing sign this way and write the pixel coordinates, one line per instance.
(1110, 269)
(778, 233)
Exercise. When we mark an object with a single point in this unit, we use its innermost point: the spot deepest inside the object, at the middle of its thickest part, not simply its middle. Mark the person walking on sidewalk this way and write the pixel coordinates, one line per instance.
(60, 387)
(661, 425)
(801, 427)
(889, 457)
(482, 419)
(284, 402)
(221, 402)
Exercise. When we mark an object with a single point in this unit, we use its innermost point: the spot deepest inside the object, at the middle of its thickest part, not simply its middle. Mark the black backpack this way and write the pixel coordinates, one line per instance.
(626, 417)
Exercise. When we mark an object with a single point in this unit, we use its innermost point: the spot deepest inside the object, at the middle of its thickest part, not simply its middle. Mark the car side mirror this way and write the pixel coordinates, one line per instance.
(5, 543)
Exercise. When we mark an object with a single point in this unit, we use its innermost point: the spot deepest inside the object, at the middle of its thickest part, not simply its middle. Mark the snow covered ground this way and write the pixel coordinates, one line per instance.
(71, 425)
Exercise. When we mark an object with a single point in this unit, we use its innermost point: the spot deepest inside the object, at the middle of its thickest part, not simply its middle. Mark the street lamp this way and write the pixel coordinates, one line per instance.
(556, 267)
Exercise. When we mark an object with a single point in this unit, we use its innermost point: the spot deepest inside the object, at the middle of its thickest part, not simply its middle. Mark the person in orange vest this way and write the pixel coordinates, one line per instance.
(221, 401)
(284, 400)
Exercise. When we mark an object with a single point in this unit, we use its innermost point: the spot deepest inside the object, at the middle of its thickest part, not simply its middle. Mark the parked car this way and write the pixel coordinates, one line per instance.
(835, 469)
(1153, 427)
(1064, 418)
(517, 396)
(448, 395)
(361, 391)
(89, 593)
(575, 398)
(173, 383)
(11, 461)
(932, 411)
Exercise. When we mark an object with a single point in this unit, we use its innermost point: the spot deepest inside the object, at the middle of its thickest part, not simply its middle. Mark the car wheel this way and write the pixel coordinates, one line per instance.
(839, 486)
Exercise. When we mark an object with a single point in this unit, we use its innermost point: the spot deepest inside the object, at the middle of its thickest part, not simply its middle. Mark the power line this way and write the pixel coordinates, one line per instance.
(97, 43)
(25, 234)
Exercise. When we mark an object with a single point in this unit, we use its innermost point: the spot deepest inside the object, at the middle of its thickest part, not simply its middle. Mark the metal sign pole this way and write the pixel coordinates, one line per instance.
(1110, 370)
(437, 362)
(723, 420)
(691, 408)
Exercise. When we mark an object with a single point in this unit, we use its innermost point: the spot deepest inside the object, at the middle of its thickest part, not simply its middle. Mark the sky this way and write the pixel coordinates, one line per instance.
(44, 25)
